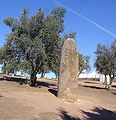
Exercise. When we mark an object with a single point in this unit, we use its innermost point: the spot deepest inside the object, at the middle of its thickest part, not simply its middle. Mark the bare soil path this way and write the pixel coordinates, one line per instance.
(21, 102)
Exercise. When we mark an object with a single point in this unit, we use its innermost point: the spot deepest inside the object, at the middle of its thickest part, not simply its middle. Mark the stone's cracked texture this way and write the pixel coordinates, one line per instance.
(68, 78)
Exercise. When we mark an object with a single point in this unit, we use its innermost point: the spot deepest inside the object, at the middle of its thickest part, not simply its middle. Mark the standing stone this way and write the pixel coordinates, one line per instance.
(68, 77)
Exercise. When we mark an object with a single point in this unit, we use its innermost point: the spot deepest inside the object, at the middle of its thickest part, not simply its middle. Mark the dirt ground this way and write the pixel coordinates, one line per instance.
(21, 102)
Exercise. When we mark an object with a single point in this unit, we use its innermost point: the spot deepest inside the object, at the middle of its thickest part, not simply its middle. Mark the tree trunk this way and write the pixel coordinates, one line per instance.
(105, 82)
(15, 72)
(79, 73)
(5, 69)
(42, 75)
(33, 78)
(56, 74)
(110, 84)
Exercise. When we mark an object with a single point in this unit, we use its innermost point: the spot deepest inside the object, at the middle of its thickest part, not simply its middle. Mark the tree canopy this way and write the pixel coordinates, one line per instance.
(106, 60)
(83, 63)
(34, 44)
(7, 57)
(36, 40)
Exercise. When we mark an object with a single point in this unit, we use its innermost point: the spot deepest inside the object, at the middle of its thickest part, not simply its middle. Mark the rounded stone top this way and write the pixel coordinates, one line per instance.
(69, 40)
(70, 45)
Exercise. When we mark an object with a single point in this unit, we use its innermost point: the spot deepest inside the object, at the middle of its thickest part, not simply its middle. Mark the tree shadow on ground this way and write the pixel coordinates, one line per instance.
(113, 85)
(64, 115)
(100, 114)
(45, 84)
(92, 82)
(88, 86)
(96, 114)
(22, 80)
(13, 79)
(1, 78)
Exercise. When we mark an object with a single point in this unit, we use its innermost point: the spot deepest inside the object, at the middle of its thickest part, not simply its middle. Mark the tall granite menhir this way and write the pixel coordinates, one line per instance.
(68, 77)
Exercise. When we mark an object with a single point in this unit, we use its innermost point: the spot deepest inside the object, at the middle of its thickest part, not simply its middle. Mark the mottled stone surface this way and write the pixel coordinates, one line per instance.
(68, 78)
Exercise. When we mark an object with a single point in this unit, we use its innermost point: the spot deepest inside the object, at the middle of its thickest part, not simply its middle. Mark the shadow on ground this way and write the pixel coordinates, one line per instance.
(53, 91)
(92, 82)
(87, 86)
(100, 114)
(114, 86)
(114, 93)
(45, 84)
(96, 114)
(64, 115)
(22, 80)
(13, 79)
(1, 96)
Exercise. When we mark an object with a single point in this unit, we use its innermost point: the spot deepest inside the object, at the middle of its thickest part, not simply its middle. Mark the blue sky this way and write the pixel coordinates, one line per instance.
(102, 12)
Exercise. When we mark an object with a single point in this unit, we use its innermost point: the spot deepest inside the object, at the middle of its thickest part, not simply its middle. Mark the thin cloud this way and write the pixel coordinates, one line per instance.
(87, 19)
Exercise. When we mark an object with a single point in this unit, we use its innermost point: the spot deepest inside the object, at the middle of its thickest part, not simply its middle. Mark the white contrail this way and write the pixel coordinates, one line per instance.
(86, 18)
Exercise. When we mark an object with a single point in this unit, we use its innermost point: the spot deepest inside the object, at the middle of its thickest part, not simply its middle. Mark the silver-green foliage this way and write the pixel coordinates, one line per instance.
(106, 60)
(36, 40)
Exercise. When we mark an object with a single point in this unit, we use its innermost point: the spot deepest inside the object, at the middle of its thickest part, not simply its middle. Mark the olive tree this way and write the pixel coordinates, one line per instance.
(106, 61)
(37, 39)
